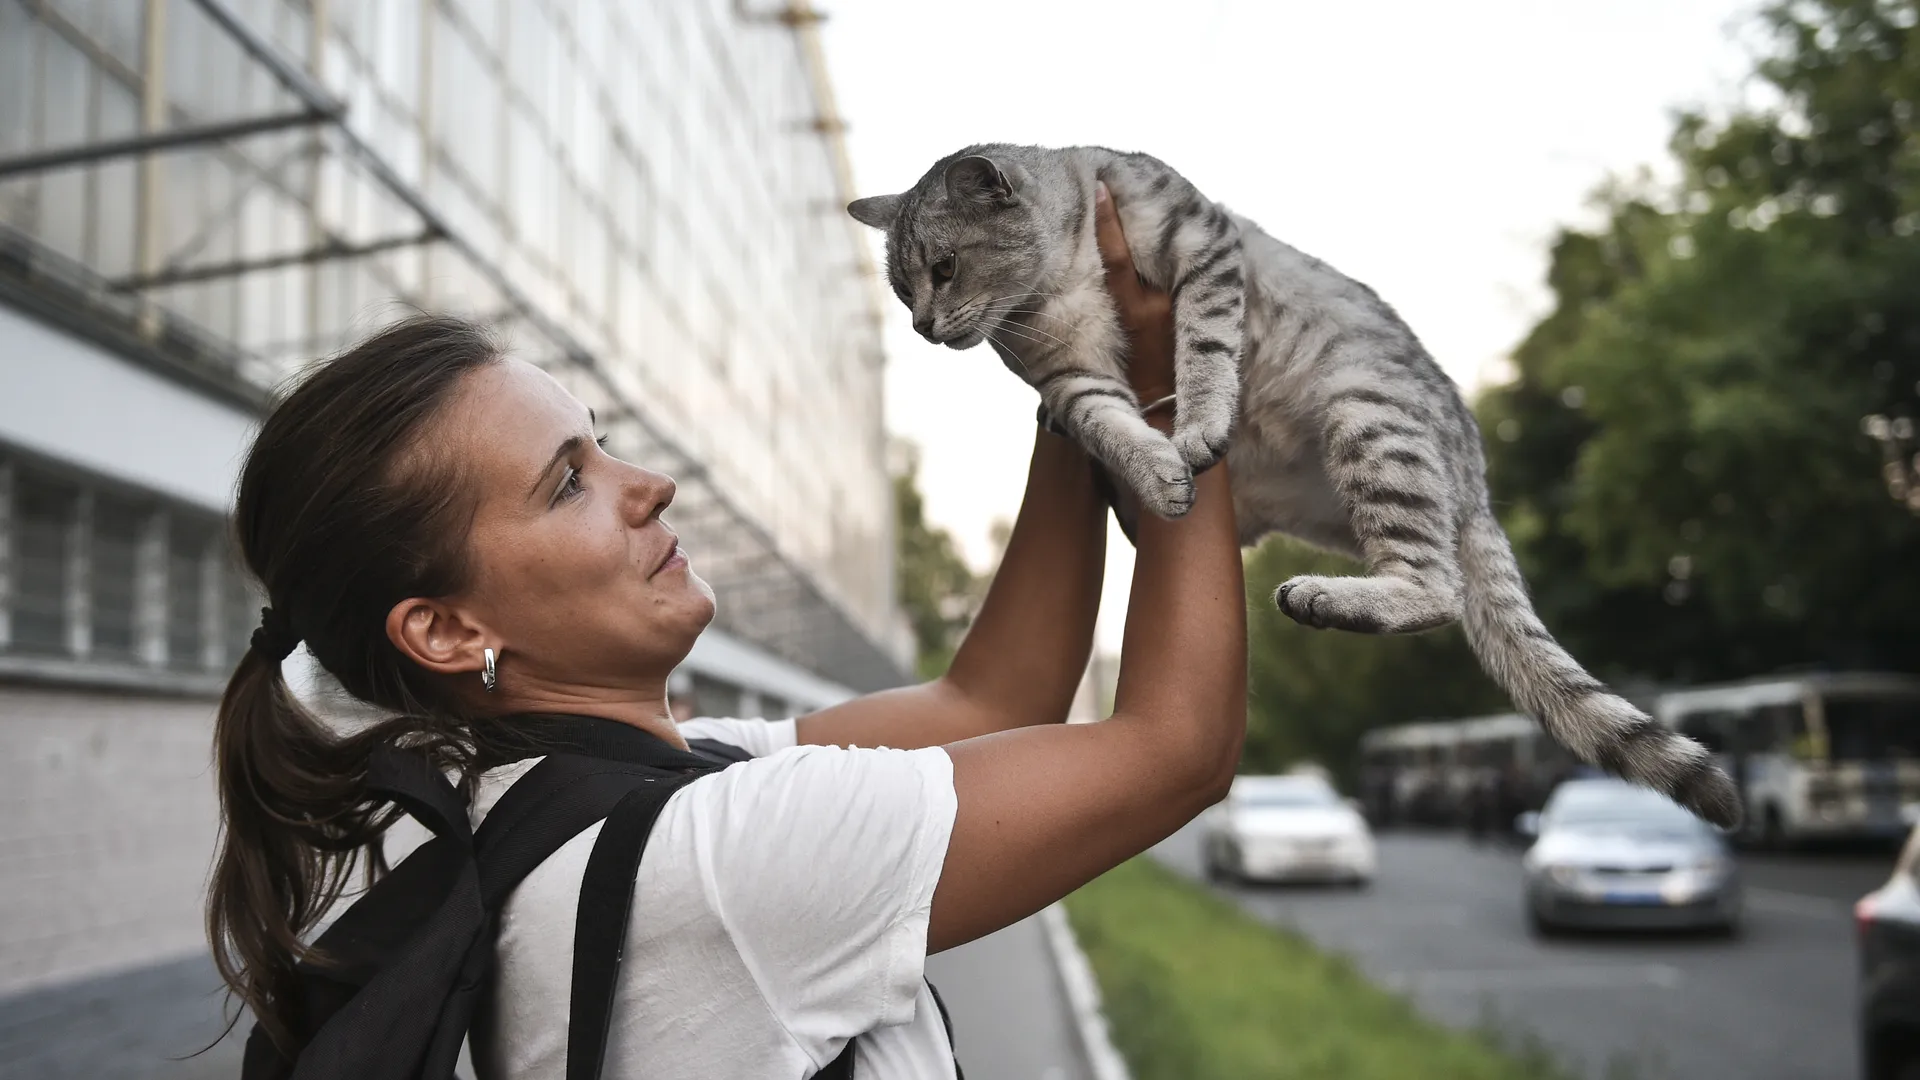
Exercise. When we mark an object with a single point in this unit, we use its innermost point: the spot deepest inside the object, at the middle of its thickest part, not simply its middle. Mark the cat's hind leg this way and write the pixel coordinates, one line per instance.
(1384, 458)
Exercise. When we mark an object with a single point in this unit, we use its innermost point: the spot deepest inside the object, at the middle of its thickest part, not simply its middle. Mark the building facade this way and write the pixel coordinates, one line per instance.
(197, 197)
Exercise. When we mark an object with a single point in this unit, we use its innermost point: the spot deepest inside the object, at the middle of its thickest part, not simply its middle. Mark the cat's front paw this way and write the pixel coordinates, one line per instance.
(1202, 443)
(1309, 601)
(1163, 481)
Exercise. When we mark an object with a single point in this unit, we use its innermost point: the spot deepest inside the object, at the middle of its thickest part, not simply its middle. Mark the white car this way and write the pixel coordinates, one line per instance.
(1287, 828)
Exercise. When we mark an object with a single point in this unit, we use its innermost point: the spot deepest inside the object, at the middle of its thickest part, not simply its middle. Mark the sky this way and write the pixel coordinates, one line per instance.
(1428, 149)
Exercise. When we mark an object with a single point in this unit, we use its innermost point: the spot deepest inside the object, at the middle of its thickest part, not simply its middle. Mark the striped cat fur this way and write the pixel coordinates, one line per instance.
(1340, 429)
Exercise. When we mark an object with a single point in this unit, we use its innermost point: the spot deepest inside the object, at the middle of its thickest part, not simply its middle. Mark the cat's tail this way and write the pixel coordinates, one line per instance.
(1576, 709)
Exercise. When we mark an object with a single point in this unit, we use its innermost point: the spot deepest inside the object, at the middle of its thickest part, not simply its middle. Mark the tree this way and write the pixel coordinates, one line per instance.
(1681, 461)
(937, 589)
(1311, 694)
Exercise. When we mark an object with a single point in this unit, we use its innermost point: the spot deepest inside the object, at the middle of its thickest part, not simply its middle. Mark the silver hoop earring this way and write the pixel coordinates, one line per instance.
(489, 675)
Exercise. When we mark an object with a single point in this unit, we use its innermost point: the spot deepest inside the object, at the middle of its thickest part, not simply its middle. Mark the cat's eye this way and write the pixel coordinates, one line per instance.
(943, 267)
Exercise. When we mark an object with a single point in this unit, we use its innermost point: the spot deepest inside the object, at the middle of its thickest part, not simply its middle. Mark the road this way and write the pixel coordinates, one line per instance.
(1444, 923)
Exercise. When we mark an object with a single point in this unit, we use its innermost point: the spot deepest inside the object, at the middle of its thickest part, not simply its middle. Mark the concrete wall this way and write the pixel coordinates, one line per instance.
(108, 816)
(71, 400)
(107, 825)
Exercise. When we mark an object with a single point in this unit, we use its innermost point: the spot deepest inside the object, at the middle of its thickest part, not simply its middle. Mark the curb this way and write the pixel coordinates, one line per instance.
(1083, 996)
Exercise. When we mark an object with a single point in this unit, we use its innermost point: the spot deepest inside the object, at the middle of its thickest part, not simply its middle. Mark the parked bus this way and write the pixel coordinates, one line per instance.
(1830, 756)
(1505, 766)
(1444, 772)
(1403, 773)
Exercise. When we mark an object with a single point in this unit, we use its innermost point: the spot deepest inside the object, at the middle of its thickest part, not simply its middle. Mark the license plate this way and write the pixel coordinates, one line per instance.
(1635, 897)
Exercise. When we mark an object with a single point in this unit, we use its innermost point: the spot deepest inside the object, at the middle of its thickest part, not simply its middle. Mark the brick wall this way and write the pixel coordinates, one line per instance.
(107, 826)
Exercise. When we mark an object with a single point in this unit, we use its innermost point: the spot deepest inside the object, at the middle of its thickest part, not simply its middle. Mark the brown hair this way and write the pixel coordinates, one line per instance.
(339, 520)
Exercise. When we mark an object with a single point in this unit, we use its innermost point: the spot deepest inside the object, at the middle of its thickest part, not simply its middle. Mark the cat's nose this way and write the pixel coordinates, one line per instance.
(923, 325)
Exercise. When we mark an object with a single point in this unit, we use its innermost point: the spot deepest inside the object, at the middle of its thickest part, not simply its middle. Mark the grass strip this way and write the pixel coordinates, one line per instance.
(1194, 989)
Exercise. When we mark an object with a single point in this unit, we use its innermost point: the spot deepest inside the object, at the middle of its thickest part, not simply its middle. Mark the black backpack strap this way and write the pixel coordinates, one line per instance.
(606, 907)
(600, 928)
(840, 1068)
(946, 1021)
(714, 748)
(424, 792)
(420, 944)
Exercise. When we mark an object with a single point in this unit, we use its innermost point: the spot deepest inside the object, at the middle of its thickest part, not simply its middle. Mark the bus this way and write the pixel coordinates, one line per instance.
(1403, 773)
(1816, 757)
(1441, 772)
(1507, 762)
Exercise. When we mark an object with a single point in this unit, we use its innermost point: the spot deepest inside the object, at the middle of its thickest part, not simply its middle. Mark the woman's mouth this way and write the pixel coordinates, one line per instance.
(675, 559)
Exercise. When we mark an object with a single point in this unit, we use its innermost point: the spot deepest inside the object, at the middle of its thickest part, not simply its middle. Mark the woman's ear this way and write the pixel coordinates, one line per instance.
(437, 636)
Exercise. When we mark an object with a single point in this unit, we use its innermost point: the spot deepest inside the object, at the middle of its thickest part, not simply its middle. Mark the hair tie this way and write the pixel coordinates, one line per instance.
(274, 639)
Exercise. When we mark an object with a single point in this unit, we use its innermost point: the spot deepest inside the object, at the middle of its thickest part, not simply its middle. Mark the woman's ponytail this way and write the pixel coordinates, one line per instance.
(339, 518)
(295, 815)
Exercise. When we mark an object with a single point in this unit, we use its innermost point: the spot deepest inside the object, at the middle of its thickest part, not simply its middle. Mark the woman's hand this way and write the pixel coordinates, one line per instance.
(1146, 313)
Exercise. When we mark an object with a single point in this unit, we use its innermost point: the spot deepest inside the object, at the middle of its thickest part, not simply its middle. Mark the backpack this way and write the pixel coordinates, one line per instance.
(408, 962)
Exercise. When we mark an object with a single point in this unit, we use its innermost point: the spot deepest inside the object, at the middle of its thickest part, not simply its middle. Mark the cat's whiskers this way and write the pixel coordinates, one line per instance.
(1003, 320)
(1027, 296)
(1024, 369)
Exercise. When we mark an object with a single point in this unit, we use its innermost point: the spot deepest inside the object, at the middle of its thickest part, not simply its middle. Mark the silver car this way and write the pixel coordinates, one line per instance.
(1609, 855)
(1287, 828)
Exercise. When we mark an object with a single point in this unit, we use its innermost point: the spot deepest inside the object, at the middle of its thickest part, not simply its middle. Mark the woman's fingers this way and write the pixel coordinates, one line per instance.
(1147, 314)
(1122, 281)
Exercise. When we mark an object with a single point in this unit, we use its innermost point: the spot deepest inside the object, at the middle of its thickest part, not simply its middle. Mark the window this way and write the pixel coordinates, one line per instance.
(1780, 729)
(112, 560)
(712, 697)
(1707, 729)
(42, 519)
(120, 581)
(187, 595)
(1873, 728)
(242, 608)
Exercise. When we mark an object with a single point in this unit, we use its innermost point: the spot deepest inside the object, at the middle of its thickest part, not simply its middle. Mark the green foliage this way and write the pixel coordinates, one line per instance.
(937, 589)
(1195, 990)
(1680, 461)
(1312, 693)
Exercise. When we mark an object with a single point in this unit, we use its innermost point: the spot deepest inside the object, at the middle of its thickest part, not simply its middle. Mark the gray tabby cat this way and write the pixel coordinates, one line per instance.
(1344, 432)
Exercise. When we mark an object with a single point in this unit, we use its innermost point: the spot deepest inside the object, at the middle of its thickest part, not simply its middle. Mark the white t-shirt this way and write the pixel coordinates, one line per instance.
(781, 909)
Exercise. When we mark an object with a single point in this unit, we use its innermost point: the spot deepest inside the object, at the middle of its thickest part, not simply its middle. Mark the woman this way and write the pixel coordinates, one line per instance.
(437, 523)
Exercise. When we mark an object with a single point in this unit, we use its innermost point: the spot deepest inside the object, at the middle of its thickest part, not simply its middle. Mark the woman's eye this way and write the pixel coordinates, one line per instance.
(943, 269)
(570, 484)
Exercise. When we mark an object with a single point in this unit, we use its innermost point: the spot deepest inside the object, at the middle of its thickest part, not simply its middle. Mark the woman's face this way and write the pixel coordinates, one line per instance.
(573, 572)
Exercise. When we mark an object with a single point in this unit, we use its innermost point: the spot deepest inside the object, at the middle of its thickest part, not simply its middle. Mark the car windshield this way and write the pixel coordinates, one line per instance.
(1613, 805)
(1291, 797)
(1870, 729)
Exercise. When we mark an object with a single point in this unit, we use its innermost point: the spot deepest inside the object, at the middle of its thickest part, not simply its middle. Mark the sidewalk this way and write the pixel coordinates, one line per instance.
(134, 1025)
(1011, 1020)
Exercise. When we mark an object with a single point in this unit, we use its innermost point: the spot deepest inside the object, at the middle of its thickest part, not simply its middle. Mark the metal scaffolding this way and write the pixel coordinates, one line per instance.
(766, 597)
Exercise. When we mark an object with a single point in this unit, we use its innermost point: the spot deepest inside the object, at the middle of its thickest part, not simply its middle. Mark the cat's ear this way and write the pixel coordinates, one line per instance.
(978, 179)
(877, 211)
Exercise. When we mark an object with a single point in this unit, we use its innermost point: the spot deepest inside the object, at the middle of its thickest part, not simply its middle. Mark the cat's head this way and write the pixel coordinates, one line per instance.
(964, 244)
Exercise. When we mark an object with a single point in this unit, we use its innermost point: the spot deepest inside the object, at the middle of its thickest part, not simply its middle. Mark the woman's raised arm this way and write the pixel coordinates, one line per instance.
(1022, 659)
(1043, 810)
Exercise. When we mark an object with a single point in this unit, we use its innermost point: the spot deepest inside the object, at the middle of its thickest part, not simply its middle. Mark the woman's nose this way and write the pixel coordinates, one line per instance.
(647, 494)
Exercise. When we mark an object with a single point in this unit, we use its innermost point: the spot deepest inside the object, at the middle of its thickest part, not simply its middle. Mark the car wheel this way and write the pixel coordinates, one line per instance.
(1773, 836)
(1210, 861)
(1538, 926)
(1359, 882)
(1731, 930)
